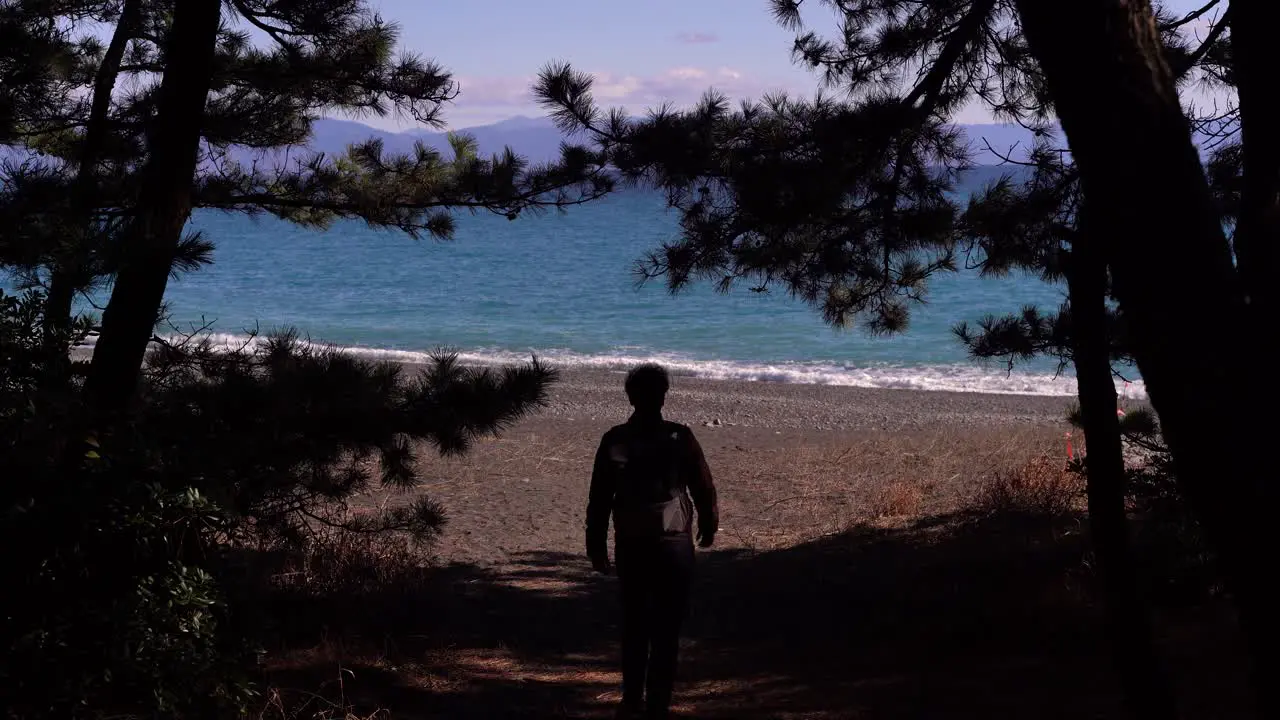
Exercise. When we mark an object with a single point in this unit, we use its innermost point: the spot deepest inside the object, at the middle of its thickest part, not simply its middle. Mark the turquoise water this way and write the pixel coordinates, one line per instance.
(561, 285)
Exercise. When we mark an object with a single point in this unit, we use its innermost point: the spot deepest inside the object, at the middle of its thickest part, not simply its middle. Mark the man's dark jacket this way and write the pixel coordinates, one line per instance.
(680, 451)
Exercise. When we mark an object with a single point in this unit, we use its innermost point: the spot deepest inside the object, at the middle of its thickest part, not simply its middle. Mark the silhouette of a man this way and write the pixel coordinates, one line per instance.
(645, 472)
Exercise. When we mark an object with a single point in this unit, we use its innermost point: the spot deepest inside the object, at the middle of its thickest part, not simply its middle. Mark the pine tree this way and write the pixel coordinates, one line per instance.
(1039, 227)
(137, 467)
(169, 111)
(40, 63)
(320, 57)
(1166, 236)
(1251, 62)
(908, 67)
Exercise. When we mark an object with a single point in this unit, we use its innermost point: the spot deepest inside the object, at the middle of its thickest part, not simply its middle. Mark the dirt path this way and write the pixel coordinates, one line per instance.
(954, 618)
(849, 579)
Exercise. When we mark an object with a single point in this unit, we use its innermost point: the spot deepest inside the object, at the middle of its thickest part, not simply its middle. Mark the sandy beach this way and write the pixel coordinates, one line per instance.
(597, 395)
(860, 571)
(792, 462)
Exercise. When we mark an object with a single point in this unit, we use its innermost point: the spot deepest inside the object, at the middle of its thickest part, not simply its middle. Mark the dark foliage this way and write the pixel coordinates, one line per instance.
(1180, 566)
(845, 203)
(42, 59)
(845, 200)
(120, 606)
(130, 601)
(319, 58)
(288, 431)
(817, 197)
(1029, 228)
(107, 606)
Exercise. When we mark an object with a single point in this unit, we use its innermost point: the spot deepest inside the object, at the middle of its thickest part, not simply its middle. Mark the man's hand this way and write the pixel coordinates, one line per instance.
(600, 563)
(706, 538)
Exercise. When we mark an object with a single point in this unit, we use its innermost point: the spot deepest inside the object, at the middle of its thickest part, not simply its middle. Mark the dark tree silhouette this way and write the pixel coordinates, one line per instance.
(68, 272)
(242, 144)
(1251, 62)
(110, 176)
(1037, 227)
(1144, 180)
(150, 240)
(143, 465)
(209, 120)
(40, 63)
(746, 182)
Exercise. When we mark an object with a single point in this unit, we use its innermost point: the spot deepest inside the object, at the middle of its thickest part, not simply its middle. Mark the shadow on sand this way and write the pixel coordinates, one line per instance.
(953, 617)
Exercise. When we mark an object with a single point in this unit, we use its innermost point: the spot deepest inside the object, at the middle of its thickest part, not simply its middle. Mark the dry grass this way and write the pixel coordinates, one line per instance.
(526, 492)
(1042, 486)
(346, 584)
(850, 572)
(800, 489)
(298, 705)
(337, 561)
(897, 500)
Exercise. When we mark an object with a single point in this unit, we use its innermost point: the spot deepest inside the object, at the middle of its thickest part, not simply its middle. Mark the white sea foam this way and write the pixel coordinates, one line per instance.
(972, 377)
(950, 378)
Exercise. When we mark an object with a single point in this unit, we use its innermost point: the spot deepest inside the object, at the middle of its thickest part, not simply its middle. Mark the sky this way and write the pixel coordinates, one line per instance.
(642, 52)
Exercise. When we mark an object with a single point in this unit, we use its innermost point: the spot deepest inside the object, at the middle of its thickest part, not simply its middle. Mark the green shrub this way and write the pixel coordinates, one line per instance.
(108, 609)
(126, 599)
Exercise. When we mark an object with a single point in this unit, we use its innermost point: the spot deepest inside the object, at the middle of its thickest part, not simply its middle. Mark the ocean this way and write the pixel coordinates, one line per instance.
(561, 286)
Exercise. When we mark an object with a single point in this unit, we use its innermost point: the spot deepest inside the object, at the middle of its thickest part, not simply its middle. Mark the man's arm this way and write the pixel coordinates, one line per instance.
(703, 490)
(599, 506)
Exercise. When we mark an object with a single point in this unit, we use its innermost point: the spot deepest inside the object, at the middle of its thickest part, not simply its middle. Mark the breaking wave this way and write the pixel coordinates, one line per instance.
(972, 377)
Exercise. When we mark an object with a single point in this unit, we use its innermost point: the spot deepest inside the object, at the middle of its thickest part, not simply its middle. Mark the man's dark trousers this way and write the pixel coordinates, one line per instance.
(655, 577)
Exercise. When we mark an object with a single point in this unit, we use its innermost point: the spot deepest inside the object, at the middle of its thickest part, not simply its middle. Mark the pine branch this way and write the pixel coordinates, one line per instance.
(284, 37)
(1020, 337)
(408, 192)
(289, 428)
(965, 32)
(1184, 65)
(805, 194)
(1190, 17)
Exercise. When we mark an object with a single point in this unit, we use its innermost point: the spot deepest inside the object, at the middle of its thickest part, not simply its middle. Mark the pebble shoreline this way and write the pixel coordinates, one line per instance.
(596, 395)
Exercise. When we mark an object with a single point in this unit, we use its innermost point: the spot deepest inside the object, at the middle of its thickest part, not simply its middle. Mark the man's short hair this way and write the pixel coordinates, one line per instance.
(647, 383)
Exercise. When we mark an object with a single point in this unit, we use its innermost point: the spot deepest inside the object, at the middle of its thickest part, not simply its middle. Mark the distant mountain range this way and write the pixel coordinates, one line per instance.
(536, 139)
(539, 140)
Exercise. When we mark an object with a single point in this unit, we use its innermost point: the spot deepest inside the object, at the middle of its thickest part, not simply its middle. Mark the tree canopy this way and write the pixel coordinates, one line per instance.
(156, 460)
(846, 201)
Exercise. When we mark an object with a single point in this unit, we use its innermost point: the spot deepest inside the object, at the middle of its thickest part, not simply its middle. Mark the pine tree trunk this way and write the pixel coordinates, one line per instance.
(1146, 689)
(1256, 64)
(1173, 276)
(67, 274)
(163, 207)
(57, 305)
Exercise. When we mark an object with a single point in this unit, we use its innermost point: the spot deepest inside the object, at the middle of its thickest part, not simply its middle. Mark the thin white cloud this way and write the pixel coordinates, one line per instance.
(678, 85)
(488, 99)
(687, 73)
(697, 38)
(490, 90)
